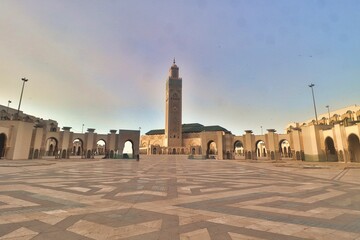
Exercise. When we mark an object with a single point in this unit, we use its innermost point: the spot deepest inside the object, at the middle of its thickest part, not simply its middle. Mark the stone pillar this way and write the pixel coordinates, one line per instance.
(89, 142)
(249, 145)
(273, 148)
(111, 145)
(64, 143)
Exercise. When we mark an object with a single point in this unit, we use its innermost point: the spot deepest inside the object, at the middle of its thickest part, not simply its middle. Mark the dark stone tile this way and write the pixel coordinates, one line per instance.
(59, 235)
(38, 226)
(8, 228)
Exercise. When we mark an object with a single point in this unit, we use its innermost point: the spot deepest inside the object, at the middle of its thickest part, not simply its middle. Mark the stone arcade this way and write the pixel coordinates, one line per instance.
(32, 138)
(334, 138)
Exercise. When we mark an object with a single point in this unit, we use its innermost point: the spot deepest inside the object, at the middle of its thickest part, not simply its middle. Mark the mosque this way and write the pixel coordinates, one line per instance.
(334, 137)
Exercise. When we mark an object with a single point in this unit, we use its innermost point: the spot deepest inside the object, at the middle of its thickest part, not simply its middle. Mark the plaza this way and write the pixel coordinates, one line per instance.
(173, 197)
(185, 120)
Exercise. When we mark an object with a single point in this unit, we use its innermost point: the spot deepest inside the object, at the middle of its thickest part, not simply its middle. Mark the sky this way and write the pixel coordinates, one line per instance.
(245, 64)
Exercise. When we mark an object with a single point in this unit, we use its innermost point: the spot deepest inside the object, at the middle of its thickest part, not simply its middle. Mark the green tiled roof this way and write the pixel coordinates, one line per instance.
(156, 132)
(215, 128)
(192, 128)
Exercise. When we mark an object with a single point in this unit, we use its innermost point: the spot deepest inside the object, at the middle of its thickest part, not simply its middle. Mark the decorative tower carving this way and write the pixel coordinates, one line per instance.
(173, 115)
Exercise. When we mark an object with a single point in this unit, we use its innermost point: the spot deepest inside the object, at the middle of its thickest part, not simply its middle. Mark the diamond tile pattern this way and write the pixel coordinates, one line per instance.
(171, 197)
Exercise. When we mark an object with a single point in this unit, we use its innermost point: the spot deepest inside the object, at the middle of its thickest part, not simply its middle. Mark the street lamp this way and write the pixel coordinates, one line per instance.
(328, 108)
(22, 90)
(312, 91)
(7, 110)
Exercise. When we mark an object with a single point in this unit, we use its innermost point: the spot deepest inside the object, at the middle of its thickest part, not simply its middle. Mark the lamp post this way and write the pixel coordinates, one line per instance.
(22, 90)
(7, 110)
(261, 130)
(312, 91)
(82, 128)
(328, 108)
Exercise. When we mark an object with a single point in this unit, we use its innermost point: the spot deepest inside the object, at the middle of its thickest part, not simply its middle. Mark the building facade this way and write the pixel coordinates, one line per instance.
(335, 137)
(27, 137)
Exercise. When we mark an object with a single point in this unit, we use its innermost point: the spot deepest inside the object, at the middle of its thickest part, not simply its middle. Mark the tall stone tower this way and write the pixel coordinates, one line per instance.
(173, 111)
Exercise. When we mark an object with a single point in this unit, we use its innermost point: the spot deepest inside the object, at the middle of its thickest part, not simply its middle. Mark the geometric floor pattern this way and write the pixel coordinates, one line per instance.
(172, 197)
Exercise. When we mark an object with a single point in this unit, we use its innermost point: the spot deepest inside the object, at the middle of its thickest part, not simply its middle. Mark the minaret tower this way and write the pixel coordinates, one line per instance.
(173, 111)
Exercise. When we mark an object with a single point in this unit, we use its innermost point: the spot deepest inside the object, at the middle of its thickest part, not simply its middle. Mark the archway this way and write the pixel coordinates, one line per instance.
(238, 148)
(260, 149)
(174, 151)
(330, 150)
(88, 154)
(192, 151)
(354, 148)
(284, 148)
(101, 147)
(128, 150)
(154, 151)
(36, 153)
(63, 155)
(211, 150)
(2, 144)
(77, 147)
(51, 146)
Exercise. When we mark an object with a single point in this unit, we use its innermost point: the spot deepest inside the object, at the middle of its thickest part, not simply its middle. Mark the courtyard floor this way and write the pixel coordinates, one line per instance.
(171, 197)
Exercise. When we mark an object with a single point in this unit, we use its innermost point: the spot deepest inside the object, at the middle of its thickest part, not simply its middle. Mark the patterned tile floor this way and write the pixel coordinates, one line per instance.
(171, 197)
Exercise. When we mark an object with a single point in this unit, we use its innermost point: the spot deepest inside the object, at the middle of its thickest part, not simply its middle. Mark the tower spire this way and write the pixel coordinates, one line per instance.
(173, 120)
(174, 70)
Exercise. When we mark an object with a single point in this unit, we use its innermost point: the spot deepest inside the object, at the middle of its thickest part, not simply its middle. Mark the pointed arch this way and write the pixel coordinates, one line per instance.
(101, 147)
(51, 146)
(128, 150)
(78, 146)
(285, 149)
(260, 149)
(331, 154)
(3, 143)
(211, 150)
(238, 148)
(354, 148)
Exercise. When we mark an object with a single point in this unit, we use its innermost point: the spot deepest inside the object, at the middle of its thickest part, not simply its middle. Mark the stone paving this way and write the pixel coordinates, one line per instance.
(171, 197)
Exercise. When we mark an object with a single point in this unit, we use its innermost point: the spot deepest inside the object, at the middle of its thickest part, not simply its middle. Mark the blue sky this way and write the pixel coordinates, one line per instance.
(244, 64)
